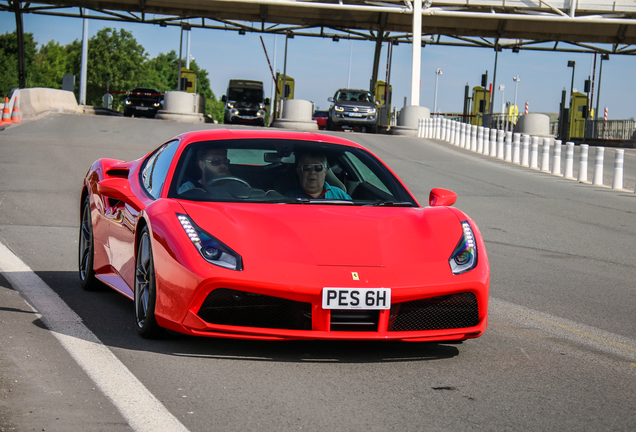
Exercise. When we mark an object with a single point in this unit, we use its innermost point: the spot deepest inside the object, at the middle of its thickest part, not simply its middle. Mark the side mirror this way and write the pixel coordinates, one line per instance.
(267, 102)
(441, 197)
(223, 98)
(119, 189)
(330, 99)
(378, 103)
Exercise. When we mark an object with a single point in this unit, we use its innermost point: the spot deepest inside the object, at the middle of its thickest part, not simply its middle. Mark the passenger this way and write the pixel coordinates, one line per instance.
(363, 98)
(311, 169)
(213, 163)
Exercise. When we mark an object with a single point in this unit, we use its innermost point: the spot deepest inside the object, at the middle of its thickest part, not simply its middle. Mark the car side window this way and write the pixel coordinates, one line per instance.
(156, 168)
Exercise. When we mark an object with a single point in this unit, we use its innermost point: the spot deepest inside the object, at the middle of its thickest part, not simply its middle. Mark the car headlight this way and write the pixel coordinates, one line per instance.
(464, 257)
(157, 104)
(230, 105)
(260, 113)
(339, 108)
(210, 248)
(261, 106)
(127, 102)
(371, 110)
(235, 111)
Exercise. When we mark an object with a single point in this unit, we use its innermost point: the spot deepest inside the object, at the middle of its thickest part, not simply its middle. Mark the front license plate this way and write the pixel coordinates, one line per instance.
(356, 298)
(355, 115)
(143, 108)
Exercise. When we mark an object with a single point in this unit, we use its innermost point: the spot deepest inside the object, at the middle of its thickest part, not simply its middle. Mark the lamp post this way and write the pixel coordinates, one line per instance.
(572, 64)
(438, 72)
(604, 56)
(516, 79)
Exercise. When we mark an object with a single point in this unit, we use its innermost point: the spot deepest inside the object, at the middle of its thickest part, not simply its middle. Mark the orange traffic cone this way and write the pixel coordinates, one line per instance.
(15, 115)
(6, 115)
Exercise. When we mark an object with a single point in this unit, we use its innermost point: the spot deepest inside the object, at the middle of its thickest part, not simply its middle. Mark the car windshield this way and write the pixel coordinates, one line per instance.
(353, 96)
(245, 95)
(266, 171)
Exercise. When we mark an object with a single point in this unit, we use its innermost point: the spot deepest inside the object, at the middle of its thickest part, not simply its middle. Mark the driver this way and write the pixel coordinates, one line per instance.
(213, 163)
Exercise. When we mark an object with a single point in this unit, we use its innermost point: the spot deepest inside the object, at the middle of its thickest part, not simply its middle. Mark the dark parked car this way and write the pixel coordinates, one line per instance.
(143, 102)
(353, 108)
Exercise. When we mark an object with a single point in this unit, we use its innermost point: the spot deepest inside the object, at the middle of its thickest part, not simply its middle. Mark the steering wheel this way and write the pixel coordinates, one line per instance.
(235, 179)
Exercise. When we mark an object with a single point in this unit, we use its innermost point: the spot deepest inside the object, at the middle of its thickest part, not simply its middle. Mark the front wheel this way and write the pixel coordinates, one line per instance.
(86, 252)
(145, 289)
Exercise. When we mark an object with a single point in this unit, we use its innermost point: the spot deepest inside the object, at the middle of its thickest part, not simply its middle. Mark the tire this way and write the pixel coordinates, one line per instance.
(145, 289)
(372, 129)
(86, 249)
(329, 125)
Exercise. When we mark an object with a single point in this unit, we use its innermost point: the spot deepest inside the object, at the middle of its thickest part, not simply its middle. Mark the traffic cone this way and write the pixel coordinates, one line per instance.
(15, 115)
(6, 115)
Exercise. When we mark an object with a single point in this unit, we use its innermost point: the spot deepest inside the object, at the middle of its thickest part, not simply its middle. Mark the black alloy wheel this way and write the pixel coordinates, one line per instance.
(86, 250)
(145, 288)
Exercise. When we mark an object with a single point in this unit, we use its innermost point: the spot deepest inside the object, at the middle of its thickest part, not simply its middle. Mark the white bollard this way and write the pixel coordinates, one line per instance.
(619, 159)
(500, 144)
(420, 126)
(480, 139)
(525, 150)
(473, 138)
(516, 148)
(534, 153)
(493, 142)
(556, 158)
(598, 166)
(583, 155)
(569, 160)
(454, 134)
(486, 149)
(438, 124)
(462, 135)
(429, 128)
(545, 155)
(508, 147)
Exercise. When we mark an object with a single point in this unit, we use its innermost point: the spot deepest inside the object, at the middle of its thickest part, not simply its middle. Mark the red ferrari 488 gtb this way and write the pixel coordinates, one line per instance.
(280, 235)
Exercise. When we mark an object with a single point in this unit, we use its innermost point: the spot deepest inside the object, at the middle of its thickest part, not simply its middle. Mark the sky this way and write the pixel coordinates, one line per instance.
(321, 66)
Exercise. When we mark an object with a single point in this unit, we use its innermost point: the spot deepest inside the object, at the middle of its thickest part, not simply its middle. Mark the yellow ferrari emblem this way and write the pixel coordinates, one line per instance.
(355, 276)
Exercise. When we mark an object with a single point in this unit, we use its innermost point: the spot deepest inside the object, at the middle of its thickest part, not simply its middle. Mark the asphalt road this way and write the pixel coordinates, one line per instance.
(559, 353)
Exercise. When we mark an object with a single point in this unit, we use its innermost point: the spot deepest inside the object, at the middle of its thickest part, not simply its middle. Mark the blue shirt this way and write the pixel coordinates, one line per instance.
(330, 193)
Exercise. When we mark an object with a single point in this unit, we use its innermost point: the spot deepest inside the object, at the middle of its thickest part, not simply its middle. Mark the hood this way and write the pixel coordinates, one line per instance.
(354, 103)
(330, 235)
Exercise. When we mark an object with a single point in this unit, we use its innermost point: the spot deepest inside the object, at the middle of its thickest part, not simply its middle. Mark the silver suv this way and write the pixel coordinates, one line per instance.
(354, 108)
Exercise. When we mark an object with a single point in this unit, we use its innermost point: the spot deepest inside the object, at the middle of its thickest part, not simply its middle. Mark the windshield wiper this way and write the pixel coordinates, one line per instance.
(392, 204)
(311, 201)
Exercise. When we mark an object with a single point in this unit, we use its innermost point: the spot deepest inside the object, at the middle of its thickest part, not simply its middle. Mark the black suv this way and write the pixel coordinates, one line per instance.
(143, 102)
(354, 108)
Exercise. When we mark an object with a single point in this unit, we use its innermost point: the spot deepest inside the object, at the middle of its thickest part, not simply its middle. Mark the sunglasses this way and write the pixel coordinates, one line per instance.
(218, 161)
(308, 167)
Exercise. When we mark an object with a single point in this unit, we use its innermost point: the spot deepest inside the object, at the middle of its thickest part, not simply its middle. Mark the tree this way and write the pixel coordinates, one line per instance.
(50, 65)
(9, 60)
(114, 57)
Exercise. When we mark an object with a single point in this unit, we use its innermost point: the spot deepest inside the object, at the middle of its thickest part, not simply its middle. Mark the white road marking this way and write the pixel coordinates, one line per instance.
(561, 328)
(143, 411)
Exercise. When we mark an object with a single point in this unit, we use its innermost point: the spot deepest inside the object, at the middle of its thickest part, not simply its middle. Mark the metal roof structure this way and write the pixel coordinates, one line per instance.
(551, 25)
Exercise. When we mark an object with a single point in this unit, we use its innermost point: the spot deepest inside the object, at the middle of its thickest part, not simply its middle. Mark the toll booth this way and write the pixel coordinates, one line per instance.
(384, 97)
(578, 114)
(481, 105)
(188, 80)
(289, 92)
(513, 114)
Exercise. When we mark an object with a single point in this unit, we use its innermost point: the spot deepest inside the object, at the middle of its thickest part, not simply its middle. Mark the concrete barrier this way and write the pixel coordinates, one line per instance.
(183, 107)
(39, 100)
(534, 124)
(297, 115)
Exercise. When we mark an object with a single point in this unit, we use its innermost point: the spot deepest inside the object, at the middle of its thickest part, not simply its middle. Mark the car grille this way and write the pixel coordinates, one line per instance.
(438, 313)
(243, 309)
(354, 320)
(248, 112)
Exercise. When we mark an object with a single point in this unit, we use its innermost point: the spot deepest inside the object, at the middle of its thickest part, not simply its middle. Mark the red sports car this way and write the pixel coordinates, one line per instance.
(217, 233)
